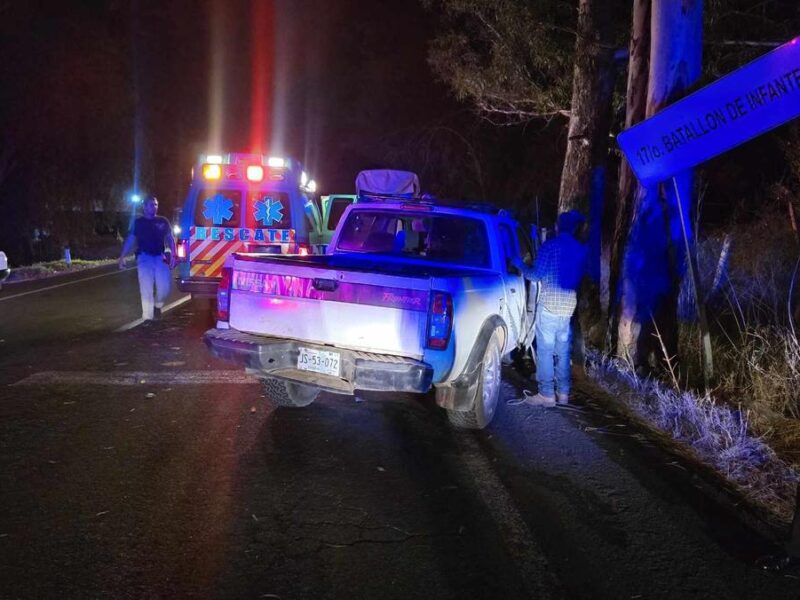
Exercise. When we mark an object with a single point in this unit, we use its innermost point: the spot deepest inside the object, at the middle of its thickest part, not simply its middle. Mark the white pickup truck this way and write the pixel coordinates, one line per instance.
(411, 294)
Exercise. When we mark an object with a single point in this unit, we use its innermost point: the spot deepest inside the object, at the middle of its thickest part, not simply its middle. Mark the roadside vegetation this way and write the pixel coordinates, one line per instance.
(746, 426)
(54, 267)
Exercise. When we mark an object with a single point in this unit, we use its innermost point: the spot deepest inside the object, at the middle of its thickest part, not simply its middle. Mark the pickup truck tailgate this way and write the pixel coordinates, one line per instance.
(373, 312)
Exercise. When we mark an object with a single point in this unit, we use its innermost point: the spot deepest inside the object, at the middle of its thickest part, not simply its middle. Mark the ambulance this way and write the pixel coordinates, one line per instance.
(242, 203)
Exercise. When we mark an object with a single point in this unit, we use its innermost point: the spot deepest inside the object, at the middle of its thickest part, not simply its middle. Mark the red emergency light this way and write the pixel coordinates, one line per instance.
(255, 173)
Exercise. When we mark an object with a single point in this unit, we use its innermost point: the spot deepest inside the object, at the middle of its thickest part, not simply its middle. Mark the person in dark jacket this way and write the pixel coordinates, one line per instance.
(153, 235)
(558, 270)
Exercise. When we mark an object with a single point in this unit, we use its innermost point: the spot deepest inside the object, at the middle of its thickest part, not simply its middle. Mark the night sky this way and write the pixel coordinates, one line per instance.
(104, 92)
(344, 75)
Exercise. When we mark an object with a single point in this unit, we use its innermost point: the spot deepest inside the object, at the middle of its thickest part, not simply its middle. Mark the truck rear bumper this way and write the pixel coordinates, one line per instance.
(277, 357)
(199, 287)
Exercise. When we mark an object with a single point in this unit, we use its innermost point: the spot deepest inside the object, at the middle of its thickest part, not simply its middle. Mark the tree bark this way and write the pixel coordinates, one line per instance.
(583, 176)
(590, 114)
(654, 260)
(635, 107)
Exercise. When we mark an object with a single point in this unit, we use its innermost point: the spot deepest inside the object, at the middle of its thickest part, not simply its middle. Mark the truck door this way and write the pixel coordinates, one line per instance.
(514, 287)
(525, 244)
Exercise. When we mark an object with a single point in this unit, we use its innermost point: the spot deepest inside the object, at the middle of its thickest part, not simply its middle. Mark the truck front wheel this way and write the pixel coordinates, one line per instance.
(487, 392)
(286, 393)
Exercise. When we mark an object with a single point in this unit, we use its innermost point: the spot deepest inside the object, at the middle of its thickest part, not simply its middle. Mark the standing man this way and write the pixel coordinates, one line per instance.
(558, 270)
(152, 234)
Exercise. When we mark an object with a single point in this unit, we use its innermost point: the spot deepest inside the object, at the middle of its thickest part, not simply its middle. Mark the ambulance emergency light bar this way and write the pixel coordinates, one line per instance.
(213, 168)
(246, 158)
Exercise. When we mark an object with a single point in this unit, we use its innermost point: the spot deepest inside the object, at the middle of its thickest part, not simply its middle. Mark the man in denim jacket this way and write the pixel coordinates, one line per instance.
(559, 268)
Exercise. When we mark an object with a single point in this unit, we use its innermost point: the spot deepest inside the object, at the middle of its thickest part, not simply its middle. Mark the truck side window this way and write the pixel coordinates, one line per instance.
(337, 208)
(508, 244)
(525, 246)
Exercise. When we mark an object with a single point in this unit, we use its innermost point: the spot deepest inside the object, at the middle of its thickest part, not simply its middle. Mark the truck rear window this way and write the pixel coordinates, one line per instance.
(268, 210)
(218, 208)
(438, 238)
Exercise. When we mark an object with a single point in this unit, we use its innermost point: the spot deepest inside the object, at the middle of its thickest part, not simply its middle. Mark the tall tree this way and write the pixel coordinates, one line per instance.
(654, 260)
(583, 177)
(635, 109)
(590, 108)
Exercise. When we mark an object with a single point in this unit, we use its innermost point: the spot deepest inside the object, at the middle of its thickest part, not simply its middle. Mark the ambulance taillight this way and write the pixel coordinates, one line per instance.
(183, 250)
(224, 294)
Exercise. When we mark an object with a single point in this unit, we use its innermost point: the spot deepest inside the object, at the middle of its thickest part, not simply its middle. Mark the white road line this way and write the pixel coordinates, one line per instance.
(529, 559)
(52, 287)
(130, 325)
(132, 378)
(167, 308)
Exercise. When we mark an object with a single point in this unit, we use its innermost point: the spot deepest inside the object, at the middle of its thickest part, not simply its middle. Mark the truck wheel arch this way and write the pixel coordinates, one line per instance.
(455, 395)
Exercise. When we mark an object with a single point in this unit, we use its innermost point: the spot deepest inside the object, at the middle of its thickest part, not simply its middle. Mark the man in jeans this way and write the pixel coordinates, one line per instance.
(559, 268)
(152, 234)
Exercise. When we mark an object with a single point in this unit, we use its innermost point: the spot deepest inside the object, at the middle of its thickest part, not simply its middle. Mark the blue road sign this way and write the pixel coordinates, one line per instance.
(738, 107)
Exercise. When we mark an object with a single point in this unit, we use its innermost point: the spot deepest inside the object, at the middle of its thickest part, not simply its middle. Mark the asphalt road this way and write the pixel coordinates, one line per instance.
(133, 465)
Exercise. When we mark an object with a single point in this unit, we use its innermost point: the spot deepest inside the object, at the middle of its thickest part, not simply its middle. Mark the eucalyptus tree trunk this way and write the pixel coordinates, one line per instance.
(583, 176)
(654, 260)
(590, 112)
(635, 107)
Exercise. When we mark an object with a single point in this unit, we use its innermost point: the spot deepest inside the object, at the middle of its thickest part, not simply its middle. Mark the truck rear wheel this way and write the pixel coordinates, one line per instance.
(487, 392)
(286, 393)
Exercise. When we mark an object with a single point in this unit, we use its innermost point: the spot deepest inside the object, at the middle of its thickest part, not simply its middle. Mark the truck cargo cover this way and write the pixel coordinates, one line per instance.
(387, 181)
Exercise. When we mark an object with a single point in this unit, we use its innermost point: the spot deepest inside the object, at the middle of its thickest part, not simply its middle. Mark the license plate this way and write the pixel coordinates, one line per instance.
(319, 361)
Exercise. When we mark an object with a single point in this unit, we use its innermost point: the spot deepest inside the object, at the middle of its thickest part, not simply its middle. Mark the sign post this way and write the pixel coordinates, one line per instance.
(691, 255)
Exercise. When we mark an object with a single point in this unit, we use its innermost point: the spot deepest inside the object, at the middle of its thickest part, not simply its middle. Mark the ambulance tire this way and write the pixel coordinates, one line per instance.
(286, 393)
(487, 392)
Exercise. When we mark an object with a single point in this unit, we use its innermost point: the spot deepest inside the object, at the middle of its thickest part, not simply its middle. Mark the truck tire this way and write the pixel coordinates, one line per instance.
(286, 393)
(487, 392)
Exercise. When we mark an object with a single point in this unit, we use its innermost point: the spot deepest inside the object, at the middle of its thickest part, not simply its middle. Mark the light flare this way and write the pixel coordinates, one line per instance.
(262, 36)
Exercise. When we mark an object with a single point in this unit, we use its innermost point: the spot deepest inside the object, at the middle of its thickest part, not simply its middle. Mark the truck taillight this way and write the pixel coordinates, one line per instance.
(440, 321)
(183, 250)
(224, 294)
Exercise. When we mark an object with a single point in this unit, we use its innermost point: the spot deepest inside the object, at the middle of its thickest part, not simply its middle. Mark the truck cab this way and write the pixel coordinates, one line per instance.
(241, 202)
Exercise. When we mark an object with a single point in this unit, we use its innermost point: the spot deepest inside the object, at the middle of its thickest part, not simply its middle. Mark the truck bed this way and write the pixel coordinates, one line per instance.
(365, 264)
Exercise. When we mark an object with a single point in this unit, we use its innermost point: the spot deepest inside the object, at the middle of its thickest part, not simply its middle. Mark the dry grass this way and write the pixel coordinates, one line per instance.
(716, 434)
